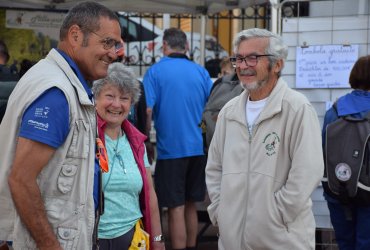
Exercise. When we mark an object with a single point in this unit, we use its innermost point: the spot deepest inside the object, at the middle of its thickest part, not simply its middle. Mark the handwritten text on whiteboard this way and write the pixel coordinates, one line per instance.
(325, 66)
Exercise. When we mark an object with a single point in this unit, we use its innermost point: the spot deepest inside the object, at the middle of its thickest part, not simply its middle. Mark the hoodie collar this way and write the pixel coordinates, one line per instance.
(273, 105)
(355, 102)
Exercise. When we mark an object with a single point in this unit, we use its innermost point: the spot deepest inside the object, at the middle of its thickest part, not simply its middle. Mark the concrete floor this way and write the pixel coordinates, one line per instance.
(325, 238)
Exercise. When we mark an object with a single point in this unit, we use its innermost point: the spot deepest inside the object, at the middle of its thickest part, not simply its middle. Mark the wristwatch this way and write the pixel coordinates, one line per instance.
(158, 238)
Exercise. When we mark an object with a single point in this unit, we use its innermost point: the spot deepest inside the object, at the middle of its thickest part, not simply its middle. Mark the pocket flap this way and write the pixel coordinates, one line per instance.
(67, 233)
(69, 170)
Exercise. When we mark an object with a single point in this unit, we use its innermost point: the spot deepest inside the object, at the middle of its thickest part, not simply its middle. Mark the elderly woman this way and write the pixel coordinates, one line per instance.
(128, 190)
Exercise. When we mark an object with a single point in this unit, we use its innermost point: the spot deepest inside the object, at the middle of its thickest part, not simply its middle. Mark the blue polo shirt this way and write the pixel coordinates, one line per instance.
(46, 120)
(177, 90)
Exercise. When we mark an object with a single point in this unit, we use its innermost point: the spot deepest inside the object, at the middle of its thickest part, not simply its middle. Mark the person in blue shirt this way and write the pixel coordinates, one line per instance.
(176, 92)
(50, 129)
(351, 222)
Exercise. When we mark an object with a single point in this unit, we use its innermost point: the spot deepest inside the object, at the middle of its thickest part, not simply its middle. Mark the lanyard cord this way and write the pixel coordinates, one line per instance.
(116, 155)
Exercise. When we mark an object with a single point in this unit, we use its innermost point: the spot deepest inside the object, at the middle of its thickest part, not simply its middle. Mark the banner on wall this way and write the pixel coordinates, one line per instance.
(325, 66)
(40, 21)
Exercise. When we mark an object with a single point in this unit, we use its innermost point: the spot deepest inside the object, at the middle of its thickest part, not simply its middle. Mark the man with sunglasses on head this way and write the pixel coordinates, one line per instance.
(265, 157)
(48, 156)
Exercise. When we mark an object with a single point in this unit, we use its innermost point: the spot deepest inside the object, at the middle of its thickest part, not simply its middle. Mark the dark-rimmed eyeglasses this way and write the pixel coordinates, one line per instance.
(109, 42)
(250, 61)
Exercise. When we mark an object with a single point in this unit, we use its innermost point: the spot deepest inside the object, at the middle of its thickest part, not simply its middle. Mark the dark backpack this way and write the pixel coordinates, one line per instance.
(347, 160)
(223, 90)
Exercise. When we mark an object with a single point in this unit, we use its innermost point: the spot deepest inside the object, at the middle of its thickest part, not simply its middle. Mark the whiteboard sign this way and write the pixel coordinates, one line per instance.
(325, 66)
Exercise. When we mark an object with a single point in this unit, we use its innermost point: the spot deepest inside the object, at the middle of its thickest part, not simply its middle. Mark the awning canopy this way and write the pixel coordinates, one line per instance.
(145, 6)
(201, 7)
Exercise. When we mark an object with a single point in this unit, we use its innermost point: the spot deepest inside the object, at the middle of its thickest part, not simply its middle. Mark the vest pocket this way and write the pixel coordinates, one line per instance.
(66, 178)
(68, 237)
(80, 140)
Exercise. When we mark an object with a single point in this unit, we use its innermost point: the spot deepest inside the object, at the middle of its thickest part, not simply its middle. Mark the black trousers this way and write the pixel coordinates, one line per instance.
(122, 242)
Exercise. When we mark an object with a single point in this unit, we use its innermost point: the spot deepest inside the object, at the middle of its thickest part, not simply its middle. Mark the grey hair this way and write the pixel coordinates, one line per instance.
(121, 76)
(86, 15)
(175, 39)
(276, 46)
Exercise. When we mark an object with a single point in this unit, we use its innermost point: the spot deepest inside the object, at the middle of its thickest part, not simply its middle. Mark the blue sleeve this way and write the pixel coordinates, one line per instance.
(209, 84)
(46, 120)
(149, 82)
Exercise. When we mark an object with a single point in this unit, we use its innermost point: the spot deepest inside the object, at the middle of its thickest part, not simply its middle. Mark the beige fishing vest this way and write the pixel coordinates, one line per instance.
(66, 182)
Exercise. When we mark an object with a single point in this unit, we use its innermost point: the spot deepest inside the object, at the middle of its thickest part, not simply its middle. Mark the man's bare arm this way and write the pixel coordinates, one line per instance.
(30, 158)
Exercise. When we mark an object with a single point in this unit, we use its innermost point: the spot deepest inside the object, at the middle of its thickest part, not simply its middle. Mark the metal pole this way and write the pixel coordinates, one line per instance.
(275, 19)
(203, 19)
(166, 21)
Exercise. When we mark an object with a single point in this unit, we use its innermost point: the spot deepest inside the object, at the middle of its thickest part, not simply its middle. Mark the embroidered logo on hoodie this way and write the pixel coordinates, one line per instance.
(271, 142)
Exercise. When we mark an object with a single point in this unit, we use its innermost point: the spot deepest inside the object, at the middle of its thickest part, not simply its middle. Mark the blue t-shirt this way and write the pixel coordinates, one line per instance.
(177, 90)
(122, 186)
(46, 120)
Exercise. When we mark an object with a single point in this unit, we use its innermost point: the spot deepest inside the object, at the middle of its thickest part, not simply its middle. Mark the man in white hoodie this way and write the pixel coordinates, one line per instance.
(265, 158)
